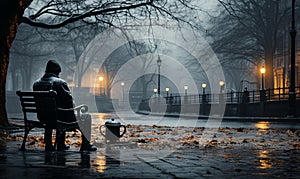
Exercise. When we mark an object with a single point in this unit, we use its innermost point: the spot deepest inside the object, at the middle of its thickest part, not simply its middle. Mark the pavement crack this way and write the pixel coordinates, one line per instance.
(163, 171)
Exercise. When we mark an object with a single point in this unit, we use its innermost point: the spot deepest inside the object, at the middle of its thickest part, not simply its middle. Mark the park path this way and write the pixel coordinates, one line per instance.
(158, 151)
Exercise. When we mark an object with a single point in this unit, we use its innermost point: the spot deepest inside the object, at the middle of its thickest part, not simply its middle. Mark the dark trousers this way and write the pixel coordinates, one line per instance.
(48, 138)
(61, 136)
(84, 125)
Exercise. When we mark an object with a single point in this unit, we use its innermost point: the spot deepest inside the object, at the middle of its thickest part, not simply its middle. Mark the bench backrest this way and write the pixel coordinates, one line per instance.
(41, 102)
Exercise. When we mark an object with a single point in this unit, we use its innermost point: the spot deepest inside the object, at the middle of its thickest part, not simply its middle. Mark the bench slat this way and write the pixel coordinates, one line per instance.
(31, 110)
(29, 99)
(31, 105)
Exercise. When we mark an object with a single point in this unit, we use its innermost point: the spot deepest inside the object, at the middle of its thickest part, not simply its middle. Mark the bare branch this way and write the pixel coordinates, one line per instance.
(76, 17)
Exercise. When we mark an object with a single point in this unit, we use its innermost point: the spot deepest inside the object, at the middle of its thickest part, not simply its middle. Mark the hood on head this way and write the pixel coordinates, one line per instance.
(53, 67)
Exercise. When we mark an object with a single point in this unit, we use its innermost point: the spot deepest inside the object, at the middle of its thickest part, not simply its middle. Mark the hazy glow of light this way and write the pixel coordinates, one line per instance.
(221, 83)
(262, 70)
(262, 125)
(100, 164)
(264, 161)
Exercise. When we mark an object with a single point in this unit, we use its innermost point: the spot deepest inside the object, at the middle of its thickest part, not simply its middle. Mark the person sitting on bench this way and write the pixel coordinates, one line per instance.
(64, 99)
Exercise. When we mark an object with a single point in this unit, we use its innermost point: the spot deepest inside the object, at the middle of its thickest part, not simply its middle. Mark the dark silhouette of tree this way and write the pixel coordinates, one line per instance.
(250, 30)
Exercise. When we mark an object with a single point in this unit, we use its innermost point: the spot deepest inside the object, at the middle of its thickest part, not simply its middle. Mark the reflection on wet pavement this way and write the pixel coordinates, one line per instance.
(262, 125)
(264, 159)
(99, 164)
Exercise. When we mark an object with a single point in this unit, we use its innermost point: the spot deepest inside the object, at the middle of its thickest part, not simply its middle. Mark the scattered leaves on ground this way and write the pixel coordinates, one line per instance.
(175, 137)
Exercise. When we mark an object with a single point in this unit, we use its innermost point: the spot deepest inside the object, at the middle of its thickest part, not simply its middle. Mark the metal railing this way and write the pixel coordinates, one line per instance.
(278, 94)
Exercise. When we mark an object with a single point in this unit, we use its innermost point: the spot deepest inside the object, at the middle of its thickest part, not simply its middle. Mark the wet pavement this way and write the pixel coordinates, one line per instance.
(158, 151)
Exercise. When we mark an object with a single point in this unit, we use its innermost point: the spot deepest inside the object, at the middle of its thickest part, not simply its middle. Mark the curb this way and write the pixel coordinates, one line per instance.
(226, 118)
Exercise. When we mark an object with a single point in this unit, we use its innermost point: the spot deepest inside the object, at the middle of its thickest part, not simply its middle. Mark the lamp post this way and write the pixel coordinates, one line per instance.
(262, 71)
(185, 89)
(167, 90)
(262, 91)
(292, 97)
(158, 80)
(221, 96)
(203, 95)
(222, 84)
(101, 80)
(123, 84)
(203, 87)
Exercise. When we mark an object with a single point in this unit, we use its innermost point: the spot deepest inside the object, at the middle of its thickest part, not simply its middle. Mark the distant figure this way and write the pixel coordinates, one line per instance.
(246, 96)
(51, 81)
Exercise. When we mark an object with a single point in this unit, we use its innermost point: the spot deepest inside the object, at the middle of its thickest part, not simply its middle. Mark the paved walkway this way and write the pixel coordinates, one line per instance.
(159, 152)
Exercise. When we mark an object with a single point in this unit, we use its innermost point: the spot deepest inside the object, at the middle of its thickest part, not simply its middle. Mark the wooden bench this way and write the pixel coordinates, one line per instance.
(44, 105)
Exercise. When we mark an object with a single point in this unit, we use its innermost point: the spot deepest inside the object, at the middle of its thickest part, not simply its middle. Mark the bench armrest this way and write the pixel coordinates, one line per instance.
(78, 109)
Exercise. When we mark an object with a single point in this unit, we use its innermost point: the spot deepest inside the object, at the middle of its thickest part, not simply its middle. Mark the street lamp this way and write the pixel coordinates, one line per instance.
(155, 90)
(167, 90)
(203, 87)
(158, 80)
(222, 84)
(221, 96)
(262, 91)
(262, 71)
(123, 84)
(101, 80)
(185, 89)
(203, 95)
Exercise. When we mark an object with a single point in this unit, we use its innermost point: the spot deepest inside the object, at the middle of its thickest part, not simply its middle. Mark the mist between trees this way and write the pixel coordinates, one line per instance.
(243, 34)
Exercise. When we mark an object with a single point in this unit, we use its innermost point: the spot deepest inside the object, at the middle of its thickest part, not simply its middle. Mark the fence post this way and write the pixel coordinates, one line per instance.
(262, 95)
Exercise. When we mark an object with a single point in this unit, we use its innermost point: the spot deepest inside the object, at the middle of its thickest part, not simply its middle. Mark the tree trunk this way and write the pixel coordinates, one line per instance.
(13, 79)
(79, 81)
(144, 87)
(4, 59)
(269, 76)
(6, 35)
(27, 80)
(10, 12)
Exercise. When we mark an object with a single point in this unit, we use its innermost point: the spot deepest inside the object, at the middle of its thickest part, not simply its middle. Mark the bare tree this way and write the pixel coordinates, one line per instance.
(28, 49)
(76, 37)
(53, 14)
(122, 55)
(252, 30)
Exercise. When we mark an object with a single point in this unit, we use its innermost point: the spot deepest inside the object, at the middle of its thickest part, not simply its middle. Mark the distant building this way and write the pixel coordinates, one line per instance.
(282, 70)
(282, 61)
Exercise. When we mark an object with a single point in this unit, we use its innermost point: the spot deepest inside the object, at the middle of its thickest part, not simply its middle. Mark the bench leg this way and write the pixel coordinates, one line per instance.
(27, 129)
(60, 139)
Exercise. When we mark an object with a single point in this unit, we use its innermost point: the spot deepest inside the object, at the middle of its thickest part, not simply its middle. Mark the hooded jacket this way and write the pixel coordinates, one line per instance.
(51, 81)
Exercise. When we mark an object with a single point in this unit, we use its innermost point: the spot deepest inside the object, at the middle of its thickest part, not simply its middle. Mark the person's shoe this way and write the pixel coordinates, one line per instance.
(88, 148)
(63, 147)
(49, 148)
(66, 147)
